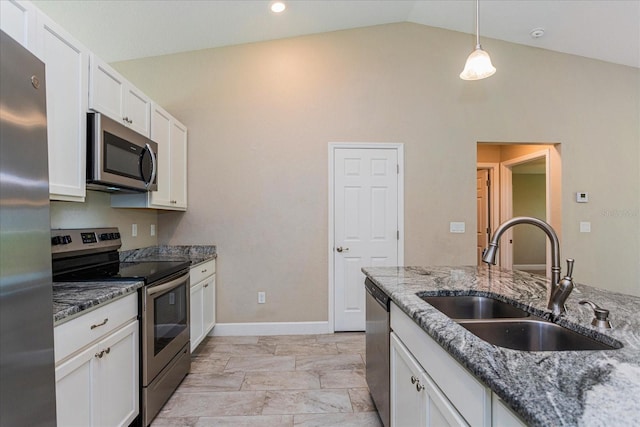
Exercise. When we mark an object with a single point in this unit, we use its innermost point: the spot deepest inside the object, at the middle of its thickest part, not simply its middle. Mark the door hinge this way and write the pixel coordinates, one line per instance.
(398, 234)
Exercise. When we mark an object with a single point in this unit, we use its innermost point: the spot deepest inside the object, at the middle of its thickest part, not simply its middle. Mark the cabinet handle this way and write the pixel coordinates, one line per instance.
(100, 354)
(204, 271)
(206, 286)
(104, 322)
(419, 386)
(413, 379)
(107, 350)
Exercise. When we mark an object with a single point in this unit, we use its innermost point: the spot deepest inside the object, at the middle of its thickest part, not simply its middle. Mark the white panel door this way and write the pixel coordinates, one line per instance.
(365, 225)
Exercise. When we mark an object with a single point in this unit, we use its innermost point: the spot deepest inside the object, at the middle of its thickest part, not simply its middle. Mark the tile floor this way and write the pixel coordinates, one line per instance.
(269, 381)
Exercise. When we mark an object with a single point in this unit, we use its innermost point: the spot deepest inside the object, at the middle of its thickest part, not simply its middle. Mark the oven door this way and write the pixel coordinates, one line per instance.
(165, 323)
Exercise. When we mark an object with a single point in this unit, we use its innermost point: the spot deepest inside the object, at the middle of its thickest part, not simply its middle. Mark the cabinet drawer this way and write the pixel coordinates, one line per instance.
(470, 397)
(87, 328)
(201, 271)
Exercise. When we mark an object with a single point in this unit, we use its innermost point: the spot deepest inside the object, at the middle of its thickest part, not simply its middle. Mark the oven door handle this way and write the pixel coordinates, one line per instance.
(166, 286)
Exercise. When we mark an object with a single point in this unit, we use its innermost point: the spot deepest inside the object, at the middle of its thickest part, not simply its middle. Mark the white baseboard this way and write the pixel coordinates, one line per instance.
(541, 267)
(270, 328)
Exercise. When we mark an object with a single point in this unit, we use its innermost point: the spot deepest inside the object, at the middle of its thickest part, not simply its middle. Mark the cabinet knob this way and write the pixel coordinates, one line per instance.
(419, 387)
(413, 379)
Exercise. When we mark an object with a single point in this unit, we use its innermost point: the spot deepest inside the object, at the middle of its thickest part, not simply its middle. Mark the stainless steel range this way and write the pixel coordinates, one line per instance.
(82, 255)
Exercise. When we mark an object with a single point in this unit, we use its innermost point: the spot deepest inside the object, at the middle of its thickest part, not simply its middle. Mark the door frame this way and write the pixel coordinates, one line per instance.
(494, 193)
(506, 202)
(333, 146)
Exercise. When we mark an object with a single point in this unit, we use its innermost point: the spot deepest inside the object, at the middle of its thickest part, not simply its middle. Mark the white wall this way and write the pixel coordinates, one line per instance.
(260, 117)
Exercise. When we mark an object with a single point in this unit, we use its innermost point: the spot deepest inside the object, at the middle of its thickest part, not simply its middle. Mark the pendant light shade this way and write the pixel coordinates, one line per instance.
(478, 65)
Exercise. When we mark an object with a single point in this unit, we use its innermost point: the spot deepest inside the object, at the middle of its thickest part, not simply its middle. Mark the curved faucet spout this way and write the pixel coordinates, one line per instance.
(490, 254)
(556, 299)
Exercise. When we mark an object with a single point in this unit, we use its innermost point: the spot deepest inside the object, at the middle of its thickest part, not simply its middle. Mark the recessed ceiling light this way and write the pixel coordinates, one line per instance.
(536, 33)
(278, 7)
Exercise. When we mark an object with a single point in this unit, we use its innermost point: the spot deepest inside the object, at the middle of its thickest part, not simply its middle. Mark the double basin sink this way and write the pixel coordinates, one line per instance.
(502, 324)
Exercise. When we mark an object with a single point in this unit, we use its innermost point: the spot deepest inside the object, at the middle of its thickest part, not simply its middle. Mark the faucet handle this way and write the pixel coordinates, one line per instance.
(570, 262)
(601, 319)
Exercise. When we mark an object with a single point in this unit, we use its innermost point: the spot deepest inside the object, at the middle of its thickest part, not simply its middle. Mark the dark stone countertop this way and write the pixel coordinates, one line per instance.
(195, 254)
(559, 388)
(70, 299)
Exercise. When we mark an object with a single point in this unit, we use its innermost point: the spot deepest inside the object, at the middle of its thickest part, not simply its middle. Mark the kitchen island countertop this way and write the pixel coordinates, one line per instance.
(544, 387)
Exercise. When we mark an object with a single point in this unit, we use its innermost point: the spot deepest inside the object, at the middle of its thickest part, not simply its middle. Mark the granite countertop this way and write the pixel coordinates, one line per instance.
(545, 388)
(71, 299)
(195, 254)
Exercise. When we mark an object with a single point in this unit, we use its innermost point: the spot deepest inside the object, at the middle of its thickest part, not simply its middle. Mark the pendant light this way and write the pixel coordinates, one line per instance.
(478, 65)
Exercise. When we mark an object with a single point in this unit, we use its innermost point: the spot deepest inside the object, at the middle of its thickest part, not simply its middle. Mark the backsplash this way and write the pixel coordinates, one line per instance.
(96, 211)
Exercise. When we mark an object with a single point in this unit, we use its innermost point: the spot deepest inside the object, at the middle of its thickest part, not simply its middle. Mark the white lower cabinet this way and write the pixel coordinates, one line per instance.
(98, 383)
(415, 399)
(503, 416)
(203, 301)
(428, 386)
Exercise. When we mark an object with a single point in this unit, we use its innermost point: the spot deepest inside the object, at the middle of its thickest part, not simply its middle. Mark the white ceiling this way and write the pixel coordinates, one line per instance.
(608, 30)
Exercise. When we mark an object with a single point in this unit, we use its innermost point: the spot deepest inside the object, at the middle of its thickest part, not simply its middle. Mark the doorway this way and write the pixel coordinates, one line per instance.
(528, 179)
(366, 211)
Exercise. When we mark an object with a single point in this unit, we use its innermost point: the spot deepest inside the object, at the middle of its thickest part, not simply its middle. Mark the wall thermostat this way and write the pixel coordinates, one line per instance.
(582, 197)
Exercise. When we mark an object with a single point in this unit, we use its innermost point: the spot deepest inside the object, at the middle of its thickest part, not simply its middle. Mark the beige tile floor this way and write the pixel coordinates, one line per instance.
(269, 381)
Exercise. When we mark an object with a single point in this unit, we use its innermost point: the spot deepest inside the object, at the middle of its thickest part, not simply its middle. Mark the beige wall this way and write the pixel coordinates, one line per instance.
(260, 117)
(529, 199)
(97, 212)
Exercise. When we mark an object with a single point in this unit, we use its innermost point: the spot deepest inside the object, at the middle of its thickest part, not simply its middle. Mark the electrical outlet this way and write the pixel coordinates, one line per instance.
(262, 297)
(153, 230)
(134, 230)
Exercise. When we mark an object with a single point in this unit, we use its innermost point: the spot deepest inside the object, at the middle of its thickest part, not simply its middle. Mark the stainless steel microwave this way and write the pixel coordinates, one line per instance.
(118, 158)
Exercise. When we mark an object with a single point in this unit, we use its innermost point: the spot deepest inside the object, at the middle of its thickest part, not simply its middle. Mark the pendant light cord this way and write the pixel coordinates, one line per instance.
(477, 24)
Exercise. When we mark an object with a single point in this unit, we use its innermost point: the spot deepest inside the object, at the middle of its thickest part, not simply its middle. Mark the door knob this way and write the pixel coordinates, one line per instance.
(341, 249)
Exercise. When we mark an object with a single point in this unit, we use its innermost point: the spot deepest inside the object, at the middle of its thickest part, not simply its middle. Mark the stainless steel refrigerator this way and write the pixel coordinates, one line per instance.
(27, 370)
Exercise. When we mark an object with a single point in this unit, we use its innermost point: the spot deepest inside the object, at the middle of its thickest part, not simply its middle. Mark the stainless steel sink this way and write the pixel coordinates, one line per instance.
(532, 335)
(474, 307)
(502, 324)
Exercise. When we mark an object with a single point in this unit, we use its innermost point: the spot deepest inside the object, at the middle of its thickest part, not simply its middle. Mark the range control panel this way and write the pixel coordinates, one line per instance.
(68, 242)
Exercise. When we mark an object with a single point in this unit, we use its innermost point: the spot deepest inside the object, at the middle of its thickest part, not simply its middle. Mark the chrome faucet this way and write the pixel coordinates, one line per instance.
(560, 289)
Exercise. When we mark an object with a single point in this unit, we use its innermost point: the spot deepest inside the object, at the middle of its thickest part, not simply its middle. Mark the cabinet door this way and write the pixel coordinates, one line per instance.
(118, 377)
(75, 391)
(179, 165)
(106, 91)
(209, 304)
(408, 406)
(137, 110)
(67, 63)
(197, 313)
(18, 19)
(161, 134)
(415, 399)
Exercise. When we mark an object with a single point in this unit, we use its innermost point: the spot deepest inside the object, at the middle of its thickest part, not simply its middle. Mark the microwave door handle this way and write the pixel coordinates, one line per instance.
(154, 167)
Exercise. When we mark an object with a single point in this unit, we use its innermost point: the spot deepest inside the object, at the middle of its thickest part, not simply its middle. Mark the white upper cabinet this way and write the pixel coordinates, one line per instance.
(171, 137)
(17, 18)
(112, 95)
(67, 70)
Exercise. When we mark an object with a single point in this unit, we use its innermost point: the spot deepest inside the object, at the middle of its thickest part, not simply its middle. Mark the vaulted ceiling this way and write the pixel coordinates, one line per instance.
(608, 30)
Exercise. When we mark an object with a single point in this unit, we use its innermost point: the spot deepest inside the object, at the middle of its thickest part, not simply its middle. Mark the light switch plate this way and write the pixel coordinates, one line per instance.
(456, 227)
(585, 227)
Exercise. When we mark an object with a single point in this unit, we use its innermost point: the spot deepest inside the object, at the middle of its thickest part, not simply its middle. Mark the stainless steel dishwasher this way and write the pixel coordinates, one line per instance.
(377, 348)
